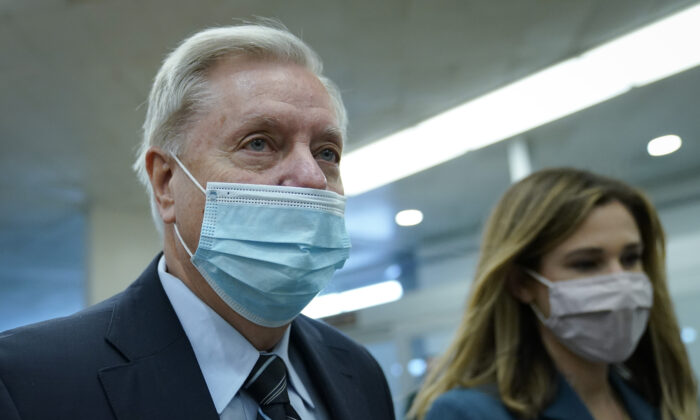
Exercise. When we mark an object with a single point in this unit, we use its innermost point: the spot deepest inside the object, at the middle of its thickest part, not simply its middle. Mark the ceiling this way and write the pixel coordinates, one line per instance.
(74, 76)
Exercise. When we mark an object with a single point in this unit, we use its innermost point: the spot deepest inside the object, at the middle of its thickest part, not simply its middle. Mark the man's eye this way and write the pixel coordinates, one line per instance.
(257, 144)
(329, 155)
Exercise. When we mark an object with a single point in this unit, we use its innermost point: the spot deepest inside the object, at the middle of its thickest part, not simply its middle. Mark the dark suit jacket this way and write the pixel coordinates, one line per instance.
(484, 404)
(129, 358)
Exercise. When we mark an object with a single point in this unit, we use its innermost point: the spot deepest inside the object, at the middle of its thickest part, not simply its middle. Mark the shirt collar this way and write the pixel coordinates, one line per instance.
(225, 357)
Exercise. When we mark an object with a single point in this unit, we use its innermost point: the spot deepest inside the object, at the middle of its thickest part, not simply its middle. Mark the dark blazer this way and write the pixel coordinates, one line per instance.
(129, 358)
(473, 404)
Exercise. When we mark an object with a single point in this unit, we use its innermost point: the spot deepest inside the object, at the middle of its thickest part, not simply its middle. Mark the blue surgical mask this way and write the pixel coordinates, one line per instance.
(268, 250)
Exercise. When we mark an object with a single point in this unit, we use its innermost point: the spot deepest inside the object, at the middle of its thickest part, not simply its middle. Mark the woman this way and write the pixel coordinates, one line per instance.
(569, 316)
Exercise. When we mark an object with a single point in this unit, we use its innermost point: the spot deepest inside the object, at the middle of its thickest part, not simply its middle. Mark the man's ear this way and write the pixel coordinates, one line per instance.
(520, 285)
(160, 172)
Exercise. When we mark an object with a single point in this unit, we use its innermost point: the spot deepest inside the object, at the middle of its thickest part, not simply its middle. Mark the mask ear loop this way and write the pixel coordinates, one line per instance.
(543, 281)
(189, 175)
(194, 181)
(182, 242)
(539, 278)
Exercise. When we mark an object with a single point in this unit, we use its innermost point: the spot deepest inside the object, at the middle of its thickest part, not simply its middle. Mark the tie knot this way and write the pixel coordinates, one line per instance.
(267, 382)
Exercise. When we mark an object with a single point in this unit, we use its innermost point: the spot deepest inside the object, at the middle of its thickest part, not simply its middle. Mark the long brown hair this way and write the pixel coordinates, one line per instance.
(497, 341)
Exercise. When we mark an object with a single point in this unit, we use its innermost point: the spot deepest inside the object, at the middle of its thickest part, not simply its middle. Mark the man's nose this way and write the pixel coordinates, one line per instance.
(302, 170)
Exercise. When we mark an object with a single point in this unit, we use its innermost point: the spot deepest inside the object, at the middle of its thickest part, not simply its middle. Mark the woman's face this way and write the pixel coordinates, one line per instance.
(608, 241)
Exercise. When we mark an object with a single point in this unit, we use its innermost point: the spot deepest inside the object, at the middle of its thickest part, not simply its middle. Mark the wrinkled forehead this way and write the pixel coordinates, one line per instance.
(252, 78)
(256, 96)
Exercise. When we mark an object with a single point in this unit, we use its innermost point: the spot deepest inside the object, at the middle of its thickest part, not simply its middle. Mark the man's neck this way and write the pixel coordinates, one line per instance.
(262, 338)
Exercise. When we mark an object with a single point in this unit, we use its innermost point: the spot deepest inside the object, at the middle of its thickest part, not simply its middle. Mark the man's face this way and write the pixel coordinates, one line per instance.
(268, 123)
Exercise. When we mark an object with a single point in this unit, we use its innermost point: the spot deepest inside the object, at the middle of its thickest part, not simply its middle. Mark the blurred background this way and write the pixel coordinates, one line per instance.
(75, 226)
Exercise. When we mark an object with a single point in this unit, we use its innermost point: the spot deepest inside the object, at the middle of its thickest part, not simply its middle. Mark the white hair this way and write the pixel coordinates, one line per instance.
(180, 92)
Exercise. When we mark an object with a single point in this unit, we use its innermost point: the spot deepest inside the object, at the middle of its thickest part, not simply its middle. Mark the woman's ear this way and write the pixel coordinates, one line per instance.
(520, 285)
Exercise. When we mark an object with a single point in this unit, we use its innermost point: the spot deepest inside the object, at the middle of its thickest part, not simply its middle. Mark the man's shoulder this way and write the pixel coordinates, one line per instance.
(468, 403)
(339, 348)
(52, 361)
(80, 328)
(68, 327)
(66, 339)
(328, 334)
(337, 359)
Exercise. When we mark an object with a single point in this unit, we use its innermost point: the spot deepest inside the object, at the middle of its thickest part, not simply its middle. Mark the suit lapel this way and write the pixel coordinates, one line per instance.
(329, 367)
(161, 376)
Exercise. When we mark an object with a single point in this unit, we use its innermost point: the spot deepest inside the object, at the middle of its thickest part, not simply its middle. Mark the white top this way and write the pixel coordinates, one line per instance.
(225, 357)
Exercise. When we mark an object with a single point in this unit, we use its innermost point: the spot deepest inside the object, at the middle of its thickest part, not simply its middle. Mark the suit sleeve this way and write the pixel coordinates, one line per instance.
(8, 411)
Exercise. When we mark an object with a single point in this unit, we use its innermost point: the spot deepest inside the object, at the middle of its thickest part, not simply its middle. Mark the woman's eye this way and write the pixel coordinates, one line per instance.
(257, 144)
(584, 265)
(328, 155)
(631, 260)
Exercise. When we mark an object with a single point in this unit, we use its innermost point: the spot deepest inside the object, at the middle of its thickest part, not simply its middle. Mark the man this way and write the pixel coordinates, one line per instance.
(242, 142)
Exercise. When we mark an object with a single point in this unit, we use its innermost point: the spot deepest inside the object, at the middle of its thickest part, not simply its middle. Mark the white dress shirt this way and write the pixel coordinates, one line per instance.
(225, 357)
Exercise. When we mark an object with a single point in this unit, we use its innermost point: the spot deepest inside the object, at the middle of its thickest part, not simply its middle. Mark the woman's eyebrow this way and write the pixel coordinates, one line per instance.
(634, 246)
(596, 251)
(584, 252)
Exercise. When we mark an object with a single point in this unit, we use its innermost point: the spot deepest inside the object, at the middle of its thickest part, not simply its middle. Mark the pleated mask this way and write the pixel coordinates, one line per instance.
(267, 250)
(600, 318)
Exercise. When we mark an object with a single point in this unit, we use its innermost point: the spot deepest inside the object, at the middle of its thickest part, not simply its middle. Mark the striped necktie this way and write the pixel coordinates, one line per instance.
(267, 384)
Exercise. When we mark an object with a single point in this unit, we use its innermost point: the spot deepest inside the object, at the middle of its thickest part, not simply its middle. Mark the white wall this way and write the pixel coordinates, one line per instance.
(682, 224)
(120, 246)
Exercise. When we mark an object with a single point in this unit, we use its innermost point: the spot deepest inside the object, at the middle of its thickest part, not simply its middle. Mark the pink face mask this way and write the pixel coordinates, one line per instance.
(600, 318)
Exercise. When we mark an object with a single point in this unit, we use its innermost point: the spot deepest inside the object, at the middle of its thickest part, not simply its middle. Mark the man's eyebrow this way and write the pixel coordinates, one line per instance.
(261, 120)
(273, 122)
(333, 132)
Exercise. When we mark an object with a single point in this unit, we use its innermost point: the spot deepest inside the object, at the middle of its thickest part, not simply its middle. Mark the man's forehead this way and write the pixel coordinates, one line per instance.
(228, 66)
(250, 77)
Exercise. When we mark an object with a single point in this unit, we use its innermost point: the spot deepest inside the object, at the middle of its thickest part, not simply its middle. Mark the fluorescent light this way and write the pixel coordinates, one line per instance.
(664, 145)
(354, 299)
(644, 56)
(393, 271)
(689, 335)
(410, 217)
(417, 367)
(518, 159)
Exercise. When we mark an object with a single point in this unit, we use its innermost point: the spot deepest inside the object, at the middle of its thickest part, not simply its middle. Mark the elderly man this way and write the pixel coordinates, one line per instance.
(240, 155)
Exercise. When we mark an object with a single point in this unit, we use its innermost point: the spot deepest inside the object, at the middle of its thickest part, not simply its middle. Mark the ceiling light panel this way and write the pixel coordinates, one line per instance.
(654, 52)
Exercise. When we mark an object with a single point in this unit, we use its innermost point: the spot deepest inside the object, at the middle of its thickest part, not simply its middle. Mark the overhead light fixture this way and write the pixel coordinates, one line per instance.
(649, 54)
(664, 145)
(689, 335)
(410, 217)
(417, 367)
(393, 272)
(354, 299)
